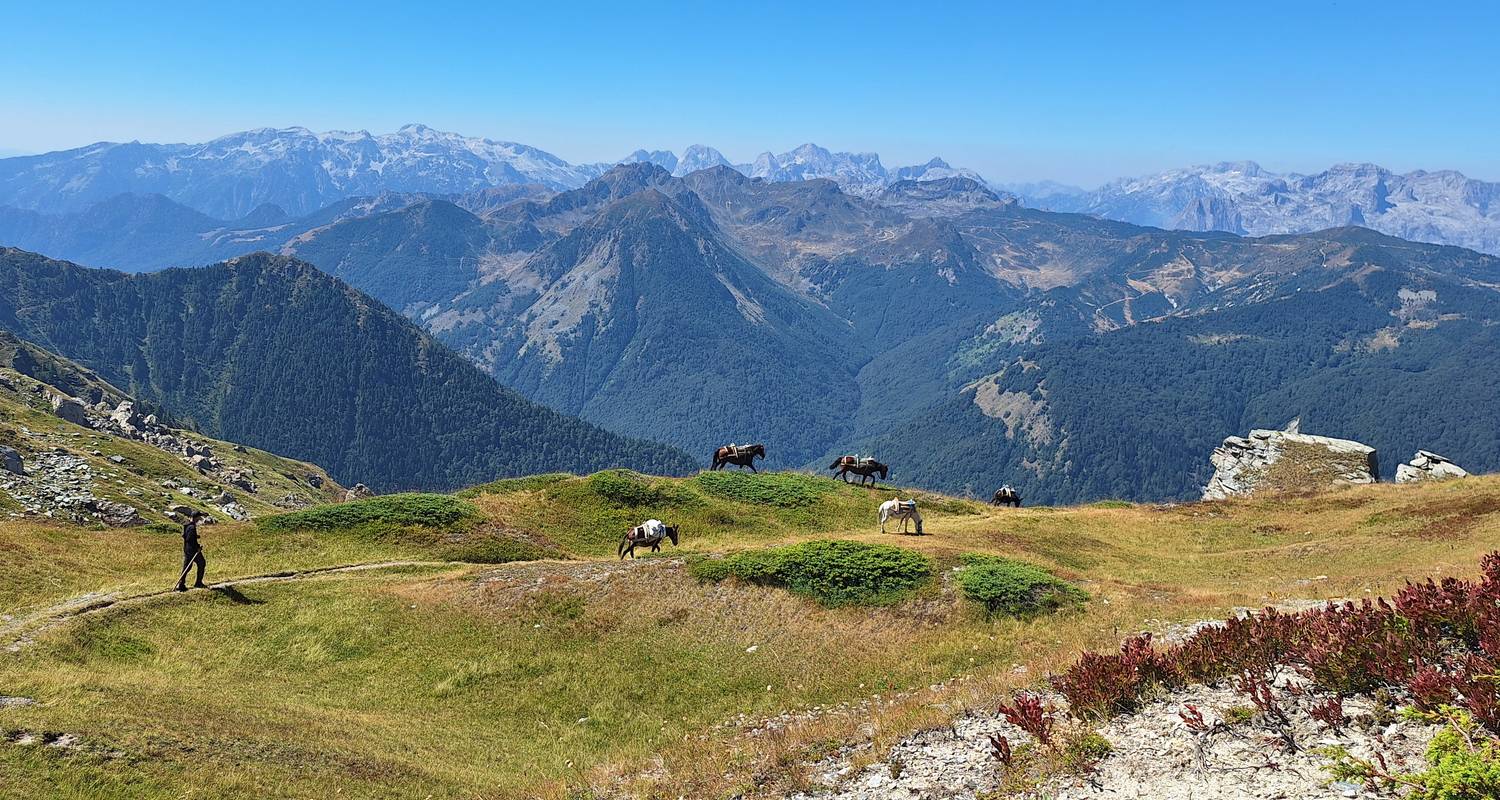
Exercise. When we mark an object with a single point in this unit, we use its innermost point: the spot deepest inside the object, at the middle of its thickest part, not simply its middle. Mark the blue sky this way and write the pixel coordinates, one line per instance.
(1079, 92)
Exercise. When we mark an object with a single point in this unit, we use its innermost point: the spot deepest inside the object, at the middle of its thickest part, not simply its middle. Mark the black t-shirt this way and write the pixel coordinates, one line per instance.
(190, 537)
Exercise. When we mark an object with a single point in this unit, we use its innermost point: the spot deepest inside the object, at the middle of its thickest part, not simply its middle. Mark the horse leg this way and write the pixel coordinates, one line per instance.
(751, 465)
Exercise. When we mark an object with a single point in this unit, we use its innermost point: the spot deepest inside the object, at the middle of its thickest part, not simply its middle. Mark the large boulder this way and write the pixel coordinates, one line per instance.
(1426, 466)
(1279, 461)
(70, 409)
(358, 492)
(10, 460)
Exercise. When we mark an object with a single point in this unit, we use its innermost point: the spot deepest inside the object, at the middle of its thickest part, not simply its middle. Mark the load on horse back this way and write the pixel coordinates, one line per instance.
(904, 510)
(650, 532)
(1006, 496)
(740, 455)
(863, 467)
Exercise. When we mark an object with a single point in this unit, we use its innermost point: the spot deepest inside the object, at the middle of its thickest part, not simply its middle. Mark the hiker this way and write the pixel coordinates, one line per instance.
(192, 553)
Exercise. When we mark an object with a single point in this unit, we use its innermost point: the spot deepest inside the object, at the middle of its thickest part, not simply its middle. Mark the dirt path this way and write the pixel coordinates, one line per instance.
(16, 634)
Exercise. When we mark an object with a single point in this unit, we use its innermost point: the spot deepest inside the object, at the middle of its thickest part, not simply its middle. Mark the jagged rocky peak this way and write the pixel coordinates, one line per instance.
(1270, 461)
(1426, 466)
(698, 157)
(665, 159)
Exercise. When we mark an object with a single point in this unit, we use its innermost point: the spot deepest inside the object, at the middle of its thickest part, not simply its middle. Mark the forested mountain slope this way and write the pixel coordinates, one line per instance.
(269, 351)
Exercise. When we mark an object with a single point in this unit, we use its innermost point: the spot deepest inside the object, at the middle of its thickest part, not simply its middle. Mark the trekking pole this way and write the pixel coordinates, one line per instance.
(188, 566)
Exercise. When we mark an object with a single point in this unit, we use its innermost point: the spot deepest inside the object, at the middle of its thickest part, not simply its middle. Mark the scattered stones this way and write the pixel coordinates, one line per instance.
(1427, 465)
(1288, 460)
(10, 461)
(15, 702)
(1154, 755)
(235, 511)
(116, 514)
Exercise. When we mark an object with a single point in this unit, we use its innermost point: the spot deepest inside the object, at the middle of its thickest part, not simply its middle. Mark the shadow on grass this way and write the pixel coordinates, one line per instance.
(236, 596)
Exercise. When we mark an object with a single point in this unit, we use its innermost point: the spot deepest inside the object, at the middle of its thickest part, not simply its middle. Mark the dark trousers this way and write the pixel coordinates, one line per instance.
(195, 557)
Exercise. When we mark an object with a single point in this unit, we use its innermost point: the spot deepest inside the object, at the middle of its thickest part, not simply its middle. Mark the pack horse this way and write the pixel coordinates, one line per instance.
(904, 510)
(740, 455)
(863, 467)
(1006, 496)
(650, 532)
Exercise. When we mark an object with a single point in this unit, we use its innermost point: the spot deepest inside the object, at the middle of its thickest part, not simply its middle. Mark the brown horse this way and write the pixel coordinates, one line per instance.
(742, 455)
(1006, 496)
(647, 534)
(863, 467)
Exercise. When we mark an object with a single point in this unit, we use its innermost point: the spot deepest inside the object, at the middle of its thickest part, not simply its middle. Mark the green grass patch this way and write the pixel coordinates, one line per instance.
(628, 489)
(779, 489)
(437, 511)
(1006, 586)
(529, 483)
(833, 572)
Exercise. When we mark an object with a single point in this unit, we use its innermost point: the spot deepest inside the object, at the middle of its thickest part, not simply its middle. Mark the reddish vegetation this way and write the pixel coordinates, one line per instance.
(1437, 642)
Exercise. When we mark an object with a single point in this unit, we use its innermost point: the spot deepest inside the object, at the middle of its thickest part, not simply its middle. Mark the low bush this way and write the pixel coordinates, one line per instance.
(779, 489)
(1437, 643)
(628, 489)
(439, 511)
(1004, 586)
(833, 572)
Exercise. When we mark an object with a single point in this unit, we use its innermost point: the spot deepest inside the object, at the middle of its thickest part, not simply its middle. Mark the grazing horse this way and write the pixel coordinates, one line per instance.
(863, 467)
(1006, 496)
(651, 532)
(904, 510)
(740, 455)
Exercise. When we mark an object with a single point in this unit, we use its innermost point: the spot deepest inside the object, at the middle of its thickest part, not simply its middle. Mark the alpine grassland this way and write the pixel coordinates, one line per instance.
(492, 644)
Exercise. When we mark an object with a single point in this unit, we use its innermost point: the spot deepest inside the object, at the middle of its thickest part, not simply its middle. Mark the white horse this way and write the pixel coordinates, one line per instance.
(903, 510)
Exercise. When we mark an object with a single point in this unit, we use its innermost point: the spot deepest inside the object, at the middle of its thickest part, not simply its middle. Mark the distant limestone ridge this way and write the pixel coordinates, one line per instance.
(271, 172)
(1276, 461)
(295, 169)
(1442, 207)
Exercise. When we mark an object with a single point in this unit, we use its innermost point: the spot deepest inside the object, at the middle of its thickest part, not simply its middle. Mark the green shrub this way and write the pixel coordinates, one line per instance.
(527, 483)
(1004, 586)
(625, 488)
(779, 489)
(833, 572)
(387, 511)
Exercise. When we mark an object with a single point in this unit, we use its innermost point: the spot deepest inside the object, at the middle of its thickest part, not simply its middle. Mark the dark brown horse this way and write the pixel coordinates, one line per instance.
(1006, 496)
(863, 467)
(642, 535)
(740, 455)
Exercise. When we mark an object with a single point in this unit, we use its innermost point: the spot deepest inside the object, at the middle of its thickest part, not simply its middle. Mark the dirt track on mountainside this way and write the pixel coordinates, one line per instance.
(16, 634)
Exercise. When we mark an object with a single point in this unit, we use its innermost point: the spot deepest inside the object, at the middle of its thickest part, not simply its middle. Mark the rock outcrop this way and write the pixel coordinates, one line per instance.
(70, 409)
(358, 492)
(1428, 466)
(1272, 461)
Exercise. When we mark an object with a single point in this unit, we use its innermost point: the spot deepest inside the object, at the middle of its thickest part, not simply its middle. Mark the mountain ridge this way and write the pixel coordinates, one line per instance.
(272, 352)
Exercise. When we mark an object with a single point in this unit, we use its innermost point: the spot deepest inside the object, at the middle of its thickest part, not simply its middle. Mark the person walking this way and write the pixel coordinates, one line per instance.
(192, 553)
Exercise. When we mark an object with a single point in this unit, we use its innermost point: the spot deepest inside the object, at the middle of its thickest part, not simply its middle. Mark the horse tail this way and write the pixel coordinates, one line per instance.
(836, 463)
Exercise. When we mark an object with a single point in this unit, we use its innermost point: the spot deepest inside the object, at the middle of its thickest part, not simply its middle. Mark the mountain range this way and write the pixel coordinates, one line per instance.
(271, 172)
(962, 336)
(1442, 207)
(917, 314)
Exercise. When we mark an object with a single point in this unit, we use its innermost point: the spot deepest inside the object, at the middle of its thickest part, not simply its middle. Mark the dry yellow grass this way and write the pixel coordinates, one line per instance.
(472, 682)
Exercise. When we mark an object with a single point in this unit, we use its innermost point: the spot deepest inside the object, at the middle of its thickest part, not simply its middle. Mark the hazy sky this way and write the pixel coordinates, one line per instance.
(1079, 92)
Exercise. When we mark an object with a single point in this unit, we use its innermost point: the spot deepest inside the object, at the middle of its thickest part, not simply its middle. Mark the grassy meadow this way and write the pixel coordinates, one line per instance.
(519, 658)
